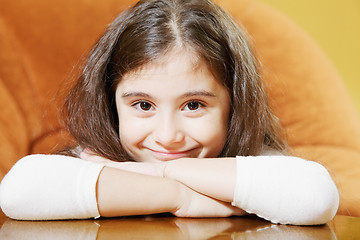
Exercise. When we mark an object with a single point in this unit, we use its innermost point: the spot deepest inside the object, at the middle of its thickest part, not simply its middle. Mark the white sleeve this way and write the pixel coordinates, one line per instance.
(45, 187)
(286, 190)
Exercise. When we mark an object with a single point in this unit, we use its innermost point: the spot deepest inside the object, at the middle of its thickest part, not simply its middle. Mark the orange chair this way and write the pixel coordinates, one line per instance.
(41, 41)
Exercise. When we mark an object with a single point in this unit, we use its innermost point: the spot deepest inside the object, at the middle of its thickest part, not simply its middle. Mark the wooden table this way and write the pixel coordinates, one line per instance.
(168, 227)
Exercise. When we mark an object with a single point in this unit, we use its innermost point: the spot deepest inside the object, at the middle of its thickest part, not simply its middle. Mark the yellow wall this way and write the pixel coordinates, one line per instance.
(335, 26)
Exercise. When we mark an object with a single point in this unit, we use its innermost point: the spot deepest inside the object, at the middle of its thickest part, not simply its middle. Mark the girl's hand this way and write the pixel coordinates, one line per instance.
(194, 204)
(152, 169)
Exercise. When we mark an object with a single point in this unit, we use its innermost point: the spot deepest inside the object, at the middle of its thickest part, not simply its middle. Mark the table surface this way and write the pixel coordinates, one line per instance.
(168, 227)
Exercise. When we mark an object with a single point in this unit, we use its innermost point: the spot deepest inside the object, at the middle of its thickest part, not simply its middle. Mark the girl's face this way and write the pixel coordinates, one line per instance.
(171, 109)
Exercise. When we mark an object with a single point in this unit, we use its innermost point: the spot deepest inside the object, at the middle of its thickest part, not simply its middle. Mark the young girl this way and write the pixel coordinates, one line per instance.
(170, 115)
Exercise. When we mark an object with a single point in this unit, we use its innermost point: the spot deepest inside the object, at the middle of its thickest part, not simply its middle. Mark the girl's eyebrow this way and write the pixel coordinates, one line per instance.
(185, 95)
(198, 93)
(135, 94)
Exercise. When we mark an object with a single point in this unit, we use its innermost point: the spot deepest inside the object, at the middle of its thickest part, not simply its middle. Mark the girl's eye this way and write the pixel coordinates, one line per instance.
(144, 106)
(193, 106)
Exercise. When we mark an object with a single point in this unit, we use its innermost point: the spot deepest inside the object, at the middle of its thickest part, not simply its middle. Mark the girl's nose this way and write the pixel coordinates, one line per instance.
(168, 131)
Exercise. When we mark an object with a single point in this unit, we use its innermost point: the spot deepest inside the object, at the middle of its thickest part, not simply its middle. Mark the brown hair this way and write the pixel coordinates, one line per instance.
(148, 31)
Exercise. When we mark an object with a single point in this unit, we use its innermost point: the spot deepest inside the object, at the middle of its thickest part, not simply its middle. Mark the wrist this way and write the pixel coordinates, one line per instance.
(181, 197)
(166, 169)
(175, 169)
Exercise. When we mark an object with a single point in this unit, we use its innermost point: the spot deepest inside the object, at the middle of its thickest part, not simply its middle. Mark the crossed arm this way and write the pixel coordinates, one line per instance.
(281, 189)
(159, 189)
(140, 194)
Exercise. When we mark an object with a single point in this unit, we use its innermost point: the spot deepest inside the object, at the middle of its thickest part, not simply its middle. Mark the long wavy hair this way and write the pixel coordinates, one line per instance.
(148, 31)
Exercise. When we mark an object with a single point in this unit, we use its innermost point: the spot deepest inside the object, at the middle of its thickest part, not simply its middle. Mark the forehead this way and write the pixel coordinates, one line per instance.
(179, 69)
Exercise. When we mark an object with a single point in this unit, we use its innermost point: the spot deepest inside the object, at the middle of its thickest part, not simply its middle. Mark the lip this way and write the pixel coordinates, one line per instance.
(171, 155)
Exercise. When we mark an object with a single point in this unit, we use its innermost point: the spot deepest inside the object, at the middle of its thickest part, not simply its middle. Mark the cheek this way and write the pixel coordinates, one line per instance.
(127, 135)
(131, 131)
(218, 130)
(211, 134)
(216, 138)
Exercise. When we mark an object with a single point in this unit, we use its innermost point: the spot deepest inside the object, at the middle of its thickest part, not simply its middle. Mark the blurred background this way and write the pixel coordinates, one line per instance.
(335, 26)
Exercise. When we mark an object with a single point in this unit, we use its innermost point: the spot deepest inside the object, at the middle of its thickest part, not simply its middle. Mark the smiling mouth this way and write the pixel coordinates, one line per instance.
(167, 156)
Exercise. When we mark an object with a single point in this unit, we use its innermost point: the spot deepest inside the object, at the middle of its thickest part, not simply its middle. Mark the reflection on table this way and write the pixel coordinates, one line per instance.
(162, 227)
